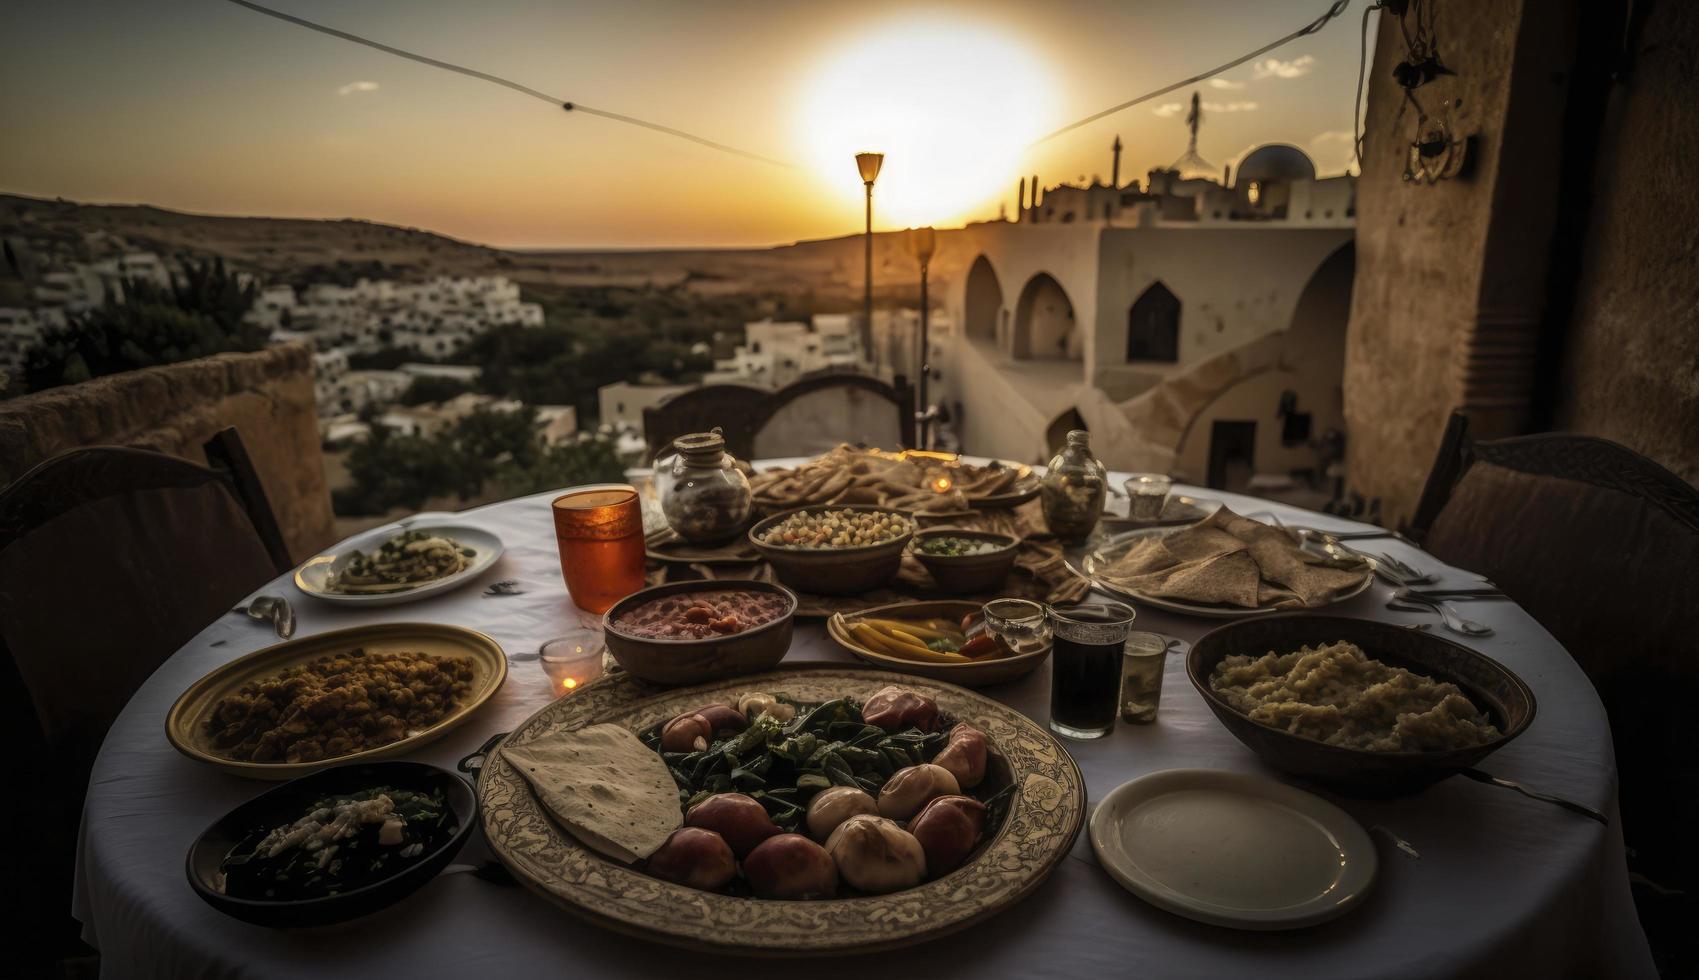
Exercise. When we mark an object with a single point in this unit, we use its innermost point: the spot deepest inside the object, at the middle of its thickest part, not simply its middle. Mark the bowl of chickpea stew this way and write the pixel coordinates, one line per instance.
(834, 550)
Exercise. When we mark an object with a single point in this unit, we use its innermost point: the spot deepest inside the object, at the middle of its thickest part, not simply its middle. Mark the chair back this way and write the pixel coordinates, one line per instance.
(110, 559)
(811, 416)
(1601, 545)
(736, 409)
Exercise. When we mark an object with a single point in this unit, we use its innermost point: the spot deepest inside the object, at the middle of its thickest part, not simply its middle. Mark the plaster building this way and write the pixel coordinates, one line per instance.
(774, 354)
(1195, 326)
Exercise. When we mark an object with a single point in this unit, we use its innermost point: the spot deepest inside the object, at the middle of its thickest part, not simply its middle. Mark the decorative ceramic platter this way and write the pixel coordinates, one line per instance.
(984, 674)
(1044, 817)
(1233, 849)
(184, 723)
(1117, 545)
(314, 576)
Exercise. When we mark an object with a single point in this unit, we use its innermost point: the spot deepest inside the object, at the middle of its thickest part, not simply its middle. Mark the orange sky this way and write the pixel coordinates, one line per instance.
(203, 106)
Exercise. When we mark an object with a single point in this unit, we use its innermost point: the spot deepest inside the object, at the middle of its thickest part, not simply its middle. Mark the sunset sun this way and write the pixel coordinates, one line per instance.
(950, 104)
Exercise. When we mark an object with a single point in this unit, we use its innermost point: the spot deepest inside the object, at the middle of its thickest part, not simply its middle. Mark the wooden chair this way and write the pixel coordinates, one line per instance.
(110, 560)
(757, 423)
(1601, 545)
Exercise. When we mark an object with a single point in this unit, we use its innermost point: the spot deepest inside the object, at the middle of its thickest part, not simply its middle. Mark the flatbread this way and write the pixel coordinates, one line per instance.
(604, 787)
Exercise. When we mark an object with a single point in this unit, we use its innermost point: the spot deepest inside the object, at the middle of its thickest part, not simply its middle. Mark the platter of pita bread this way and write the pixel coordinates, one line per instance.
(1224, 566)
(803, 812)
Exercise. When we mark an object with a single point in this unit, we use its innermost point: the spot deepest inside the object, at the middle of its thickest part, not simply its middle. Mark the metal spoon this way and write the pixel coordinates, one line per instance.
(1415, 602)
(1570, 805)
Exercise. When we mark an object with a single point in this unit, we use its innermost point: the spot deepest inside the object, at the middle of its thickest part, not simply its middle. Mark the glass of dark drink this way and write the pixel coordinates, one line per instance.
(1085, 667)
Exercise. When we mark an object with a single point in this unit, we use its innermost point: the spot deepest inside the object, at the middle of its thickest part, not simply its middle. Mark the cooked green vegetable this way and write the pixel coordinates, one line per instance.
(783, 765)
(338, 844)
(950, 546)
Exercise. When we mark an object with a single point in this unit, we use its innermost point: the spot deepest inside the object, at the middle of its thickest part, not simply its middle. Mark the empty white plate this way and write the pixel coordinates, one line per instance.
(314, 576)
(1233, 849)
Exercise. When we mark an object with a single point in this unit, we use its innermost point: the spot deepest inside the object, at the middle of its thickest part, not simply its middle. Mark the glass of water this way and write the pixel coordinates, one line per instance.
(1143, 657)
(1147, 495)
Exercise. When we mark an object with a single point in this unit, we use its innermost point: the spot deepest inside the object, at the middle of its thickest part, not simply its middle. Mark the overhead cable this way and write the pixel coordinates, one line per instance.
(1337, 8)
(566, 104)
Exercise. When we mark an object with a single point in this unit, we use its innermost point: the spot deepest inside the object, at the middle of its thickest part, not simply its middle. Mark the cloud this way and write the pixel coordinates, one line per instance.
(353, 87)
(1168, 110)
(1275, 68)
(1225, 84)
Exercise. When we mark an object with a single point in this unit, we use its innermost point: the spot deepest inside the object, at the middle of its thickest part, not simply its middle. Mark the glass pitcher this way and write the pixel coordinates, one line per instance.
(704, 496)
(1073, 489)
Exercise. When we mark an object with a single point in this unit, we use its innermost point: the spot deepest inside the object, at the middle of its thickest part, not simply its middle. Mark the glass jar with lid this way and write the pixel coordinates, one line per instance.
(704, 495)
(1073, 489)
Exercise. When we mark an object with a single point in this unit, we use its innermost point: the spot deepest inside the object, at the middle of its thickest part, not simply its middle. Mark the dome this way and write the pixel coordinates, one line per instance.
(1276, 161)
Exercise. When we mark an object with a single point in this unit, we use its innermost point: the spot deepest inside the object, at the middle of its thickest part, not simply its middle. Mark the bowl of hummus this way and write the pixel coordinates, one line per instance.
(1364, 707)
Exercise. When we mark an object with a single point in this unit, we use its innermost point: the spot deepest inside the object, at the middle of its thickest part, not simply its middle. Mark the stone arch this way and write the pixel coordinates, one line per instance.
(983, 303)
(1044, 322)
(1056, 433)
(1153, 325)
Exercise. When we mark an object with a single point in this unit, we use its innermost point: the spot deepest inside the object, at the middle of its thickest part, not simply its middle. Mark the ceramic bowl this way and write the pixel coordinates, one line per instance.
(1360, 772)
(982, 673)
(968, 574)
(287, 802)
(700, 661)
(833, 571)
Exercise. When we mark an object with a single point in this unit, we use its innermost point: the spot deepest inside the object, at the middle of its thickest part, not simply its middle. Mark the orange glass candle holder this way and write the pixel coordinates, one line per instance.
(600, 533)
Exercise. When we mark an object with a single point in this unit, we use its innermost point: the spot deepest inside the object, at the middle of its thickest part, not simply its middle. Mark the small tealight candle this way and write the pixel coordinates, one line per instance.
(573, 660)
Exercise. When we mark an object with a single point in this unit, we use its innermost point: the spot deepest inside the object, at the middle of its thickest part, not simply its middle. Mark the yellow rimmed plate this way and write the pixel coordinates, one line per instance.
(184, 724)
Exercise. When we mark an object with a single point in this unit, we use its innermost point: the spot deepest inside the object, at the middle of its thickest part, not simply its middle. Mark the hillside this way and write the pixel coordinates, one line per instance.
(304, 250)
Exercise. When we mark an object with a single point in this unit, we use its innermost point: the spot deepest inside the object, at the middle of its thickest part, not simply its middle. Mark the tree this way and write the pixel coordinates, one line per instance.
(390, 471)
(197, 315)
(432, 388)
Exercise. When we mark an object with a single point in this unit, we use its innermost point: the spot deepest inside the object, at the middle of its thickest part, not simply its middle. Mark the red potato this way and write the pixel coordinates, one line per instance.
(948, 830)
(688, 732)
(791, 866)
(694, 857)
(964, 755)
(739, 819)
(896, 708)
(723, 718)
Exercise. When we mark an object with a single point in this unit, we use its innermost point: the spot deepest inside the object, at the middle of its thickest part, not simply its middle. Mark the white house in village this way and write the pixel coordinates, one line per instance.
(1194, 326)
(774, 354)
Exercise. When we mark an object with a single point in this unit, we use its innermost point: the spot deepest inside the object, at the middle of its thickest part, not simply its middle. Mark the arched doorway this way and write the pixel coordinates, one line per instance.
(1044, 322)
(984, 300)
(1153, 326)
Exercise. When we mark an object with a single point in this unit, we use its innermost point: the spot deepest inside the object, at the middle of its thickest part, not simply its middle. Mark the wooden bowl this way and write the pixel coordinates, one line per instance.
(833, 571)
(982, 674)
(968, 574)
(1360, 772)
(285, 803)
(700, 661)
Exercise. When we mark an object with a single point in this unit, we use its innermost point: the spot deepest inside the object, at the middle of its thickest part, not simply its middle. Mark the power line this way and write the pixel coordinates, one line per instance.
(1337, 8)
(509, 83)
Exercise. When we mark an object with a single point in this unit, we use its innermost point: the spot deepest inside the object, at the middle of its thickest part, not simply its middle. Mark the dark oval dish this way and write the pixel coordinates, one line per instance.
(662, 661)
(285, 803)
(1360, 772)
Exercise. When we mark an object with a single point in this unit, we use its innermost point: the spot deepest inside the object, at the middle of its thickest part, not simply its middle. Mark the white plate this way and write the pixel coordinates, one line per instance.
(313, 577)
(1232, 849)
(1117, 546)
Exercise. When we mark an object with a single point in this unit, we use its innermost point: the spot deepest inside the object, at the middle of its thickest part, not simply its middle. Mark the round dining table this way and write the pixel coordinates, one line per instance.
(1474, 880)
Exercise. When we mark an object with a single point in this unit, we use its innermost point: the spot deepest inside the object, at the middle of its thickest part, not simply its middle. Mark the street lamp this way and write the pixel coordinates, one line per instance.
(923, 242)
(868, 164)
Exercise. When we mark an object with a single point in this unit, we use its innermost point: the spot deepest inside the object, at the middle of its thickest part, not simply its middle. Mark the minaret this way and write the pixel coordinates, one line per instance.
(1115, 169)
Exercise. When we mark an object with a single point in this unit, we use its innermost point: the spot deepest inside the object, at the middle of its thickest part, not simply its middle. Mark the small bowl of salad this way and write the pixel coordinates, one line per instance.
(965, 562)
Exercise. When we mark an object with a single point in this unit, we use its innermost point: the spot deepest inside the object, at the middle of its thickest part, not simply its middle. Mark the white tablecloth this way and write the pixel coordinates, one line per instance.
(1504, 885)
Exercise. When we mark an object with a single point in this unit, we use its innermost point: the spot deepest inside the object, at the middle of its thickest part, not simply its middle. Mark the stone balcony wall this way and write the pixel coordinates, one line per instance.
(176, 408)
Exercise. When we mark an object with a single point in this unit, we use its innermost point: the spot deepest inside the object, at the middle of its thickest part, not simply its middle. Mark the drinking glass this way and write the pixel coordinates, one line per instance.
(1020, 623)
(1143, 657)
(1085, 667)
(600, 533)
(1147, 495)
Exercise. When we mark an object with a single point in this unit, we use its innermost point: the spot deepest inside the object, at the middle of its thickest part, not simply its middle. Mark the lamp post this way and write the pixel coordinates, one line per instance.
(923, 242)
(868, 164)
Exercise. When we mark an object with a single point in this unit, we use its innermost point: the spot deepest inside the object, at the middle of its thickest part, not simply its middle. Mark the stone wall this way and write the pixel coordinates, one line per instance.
(1631, 356)
(267, 396)
(1483, 292)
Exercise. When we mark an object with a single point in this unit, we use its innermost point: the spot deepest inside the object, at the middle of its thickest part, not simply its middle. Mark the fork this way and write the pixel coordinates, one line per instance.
(1415, 602)
(1394, 571)
(1402, 570)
